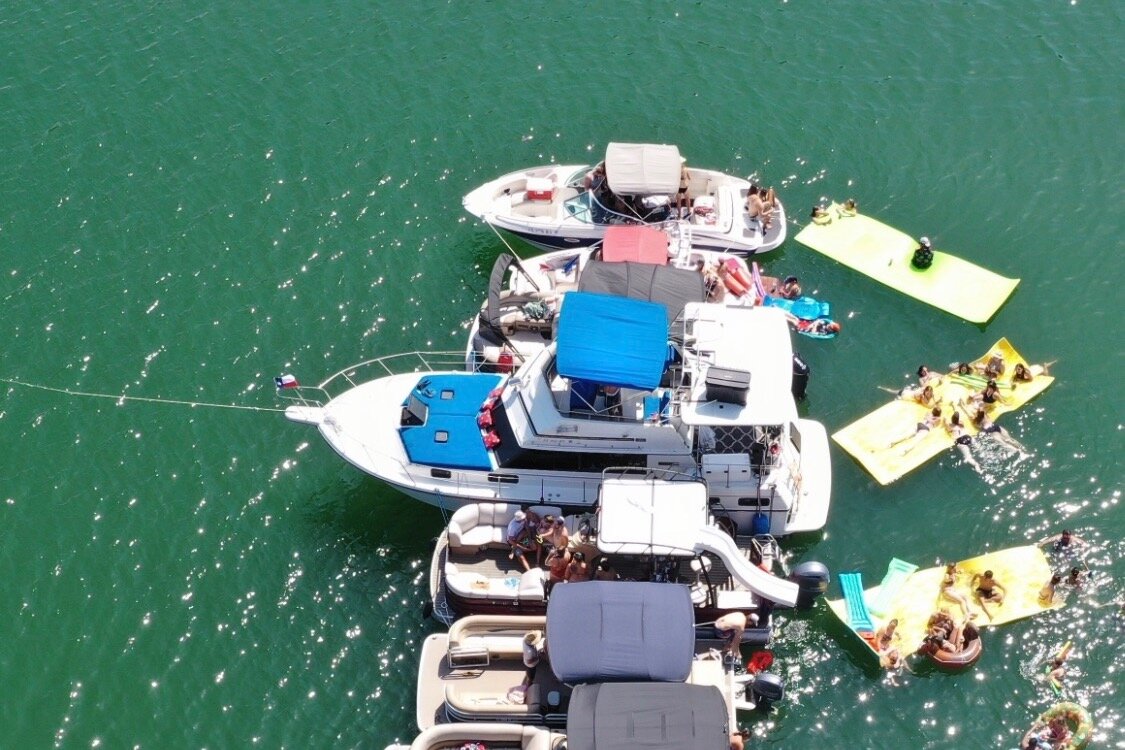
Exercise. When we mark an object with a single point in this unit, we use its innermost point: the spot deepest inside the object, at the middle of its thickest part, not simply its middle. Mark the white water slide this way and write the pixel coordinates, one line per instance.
(655, 517)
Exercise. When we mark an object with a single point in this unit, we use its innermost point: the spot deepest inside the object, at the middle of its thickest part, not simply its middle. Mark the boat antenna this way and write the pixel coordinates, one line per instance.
(515, 256)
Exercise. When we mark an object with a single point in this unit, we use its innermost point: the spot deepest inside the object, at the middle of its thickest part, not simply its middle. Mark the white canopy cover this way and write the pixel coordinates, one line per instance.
(642, 168)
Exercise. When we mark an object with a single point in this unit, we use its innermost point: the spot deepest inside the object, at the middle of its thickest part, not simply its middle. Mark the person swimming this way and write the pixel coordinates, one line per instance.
(987, 427)
(961, 439)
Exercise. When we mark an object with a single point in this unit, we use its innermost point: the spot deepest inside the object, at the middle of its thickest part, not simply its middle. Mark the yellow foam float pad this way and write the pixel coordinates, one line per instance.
(884, 253)
(868, 438)
(1022, 571)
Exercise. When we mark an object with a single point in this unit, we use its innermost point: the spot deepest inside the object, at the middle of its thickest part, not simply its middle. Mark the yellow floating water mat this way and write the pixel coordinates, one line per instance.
(869, 438)
(883, 253)
(1021, 571)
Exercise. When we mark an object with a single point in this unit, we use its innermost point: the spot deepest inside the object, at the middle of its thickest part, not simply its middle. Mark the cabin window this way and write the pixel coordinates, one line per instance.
(504, 478)
(441, 473)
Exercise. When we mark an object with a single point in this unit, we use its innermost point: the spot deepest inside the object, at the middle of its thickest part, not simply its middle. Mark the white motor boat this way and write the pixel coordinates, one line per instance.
(486, 735)
(642, 530)
(553, 207)
(594, 632)
(662, 265)
(713, 401)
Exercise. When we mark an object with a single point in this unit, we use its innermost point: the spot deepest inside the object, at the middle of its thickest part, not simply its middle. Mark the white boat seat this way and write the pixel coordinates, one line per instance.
(736, 600)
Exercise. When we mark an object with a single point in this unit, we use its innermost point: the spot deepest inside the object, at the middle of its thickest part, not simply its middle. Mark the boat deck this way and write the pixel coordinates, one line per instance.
(494, 563)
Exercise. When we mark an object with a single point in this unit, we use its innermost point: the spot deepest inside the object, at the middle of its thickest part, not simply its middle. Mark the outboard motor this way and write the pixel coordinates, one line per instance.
(765, 690)
(812, 580)
(801, 373)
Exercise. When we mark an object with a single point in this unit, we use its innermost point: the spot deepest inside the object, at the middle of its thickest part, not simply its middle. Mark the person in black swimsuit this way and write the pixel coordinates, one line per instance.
(961, 439)
(988, 590)
(987, 427)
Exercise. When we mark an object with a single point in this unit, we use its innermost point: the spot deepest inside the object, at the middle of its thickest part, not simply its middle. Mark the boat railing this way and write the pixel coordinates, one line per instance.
(402, 363)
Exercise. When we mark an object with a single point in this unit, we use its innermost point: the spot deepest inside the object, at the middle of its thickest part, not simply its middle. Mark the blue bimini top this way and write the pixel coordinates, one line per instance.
(615, 631)
(612, 340)
(448, 436)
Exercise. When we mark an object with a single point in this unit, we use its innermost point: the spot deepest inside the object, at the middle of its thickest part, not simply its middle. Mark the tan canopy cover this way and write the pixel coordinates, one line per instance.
(642, 168)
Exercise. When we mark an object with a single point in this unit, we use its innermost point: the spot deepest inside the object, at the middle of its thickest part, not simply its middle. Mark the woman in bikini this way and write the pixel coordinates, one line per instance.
(920, 430)
(988, 396)
(948, 590)
(682, 200)
(962, 439)
(987, 427)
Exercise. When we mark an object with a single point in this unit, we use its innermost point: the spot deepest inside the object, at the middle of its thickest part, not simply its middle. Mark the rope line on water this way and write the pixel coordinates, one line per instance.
(122, 398)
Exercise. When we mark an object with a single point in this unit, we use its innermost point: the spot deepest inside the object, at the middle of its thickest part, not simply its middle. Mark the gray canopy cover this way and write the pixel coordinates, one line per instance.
(615, 631)
(671, 287)
(647, 716)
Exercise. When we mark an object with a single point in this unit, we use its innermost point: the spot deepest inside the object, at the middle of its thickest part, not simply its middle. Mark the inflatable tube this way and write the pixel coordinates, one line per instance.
(960, 661)
(1077, 718)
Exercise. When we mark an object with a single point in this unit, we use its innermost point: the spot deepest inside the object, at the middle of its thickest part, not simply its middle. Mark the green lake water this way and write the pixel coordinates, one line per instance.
(197, 197)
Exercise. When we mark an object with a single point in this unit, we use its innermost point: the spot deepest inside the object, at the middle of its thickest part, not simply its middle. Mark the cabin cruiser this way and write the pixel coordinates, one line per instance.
(593, 632)
(556, 206)
(713, 402)
(641, 529)
(519, 315)
(607, 716)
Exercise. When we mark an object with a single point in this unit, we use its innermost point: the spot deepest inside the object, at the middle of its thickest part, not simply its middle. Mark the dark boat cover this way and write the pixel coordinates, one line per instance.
(615, 631)
(647, 716)
(669, 286)
(612, 340)
(496, 285)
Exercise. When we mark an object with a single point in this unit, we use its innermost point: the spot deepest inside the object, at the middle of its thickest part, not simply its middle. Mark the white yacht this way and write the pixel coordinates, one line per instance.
(712, 401)
(662, 265)
(553, 207)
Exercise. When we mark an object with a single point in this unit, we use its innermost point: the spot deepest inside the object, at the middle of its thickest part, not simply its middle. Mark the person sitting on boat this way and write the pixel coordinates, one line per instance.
(932, 420)
(849, 208)
(1047, 593)
(605, 571)
(962, 439)
(949, 591)
(988, 590)
(595, 179)
(769, 203)
(729, 629)
(713, 285)
(754, 203)
(1058, 732)
(521, 538)
(557, 536)
(790, 288)
(923, 254)
(577, 570)
(1063, 542)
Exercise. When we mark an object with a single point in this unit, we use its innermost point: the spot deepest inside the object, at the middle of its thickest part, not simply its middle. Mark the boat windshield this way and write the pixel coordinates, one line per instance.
(585, 207)
(575, 180)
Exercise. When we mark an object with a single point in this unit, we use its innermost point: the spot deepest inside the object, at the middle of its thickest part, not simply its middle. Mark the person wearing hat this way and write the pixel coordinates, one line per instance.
(519, 539)
(923, 255)
(532, 653)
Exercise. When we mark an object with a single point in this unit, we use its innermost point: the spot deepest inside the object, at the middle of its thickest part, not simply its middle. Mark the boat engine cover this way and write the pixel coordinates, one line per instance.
(812, 579)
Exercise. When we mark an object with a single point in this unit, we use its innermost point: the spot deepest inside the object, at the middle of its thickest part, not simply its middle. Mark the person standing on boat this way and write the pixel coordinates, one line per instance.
(682, 200)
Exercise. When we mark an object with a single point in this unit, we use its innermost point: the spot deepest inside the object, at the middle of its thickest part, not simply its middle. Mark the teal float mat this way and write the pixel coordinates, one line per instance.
(897, 573)
(858, 616)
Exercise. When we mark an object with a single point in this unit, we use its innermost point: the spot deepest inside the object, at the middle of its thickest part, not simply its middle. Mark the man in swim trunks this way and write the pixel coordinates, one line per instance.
(988, 591)
(729, 629)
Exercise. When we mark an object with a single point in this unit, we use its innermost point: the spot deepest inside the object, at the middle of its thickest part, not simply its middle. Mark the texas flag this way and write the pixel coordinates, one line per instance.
(286, 381)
